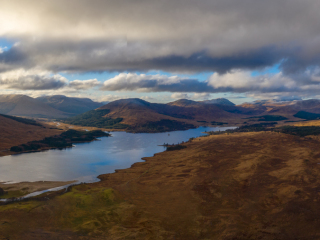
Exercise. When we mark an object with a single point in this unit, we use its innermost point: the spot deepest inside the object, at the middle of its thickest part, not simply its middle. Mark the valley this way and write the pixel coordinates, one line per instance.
(242, 183)
(203, 191)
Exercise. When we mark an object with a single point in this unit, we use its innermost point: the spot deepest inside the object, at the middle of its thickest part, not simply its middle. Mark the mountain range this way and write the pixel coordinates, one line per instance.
(138, 115)
(57, 106)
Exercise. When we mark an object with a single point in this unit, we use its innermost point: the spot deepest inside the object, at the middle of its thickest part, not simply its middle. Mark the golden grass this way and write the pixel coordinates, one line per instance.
(261, 185)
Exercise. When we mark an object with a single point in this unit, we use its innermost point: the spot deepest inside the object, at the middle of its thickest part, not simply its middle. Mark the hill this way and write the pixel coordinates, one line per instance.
(288, 109)
(70, 105)
(221, 101)
(138, 115)
(21, 105)
(187, 102)
(45, 107)
(236, 186)
(16, 131)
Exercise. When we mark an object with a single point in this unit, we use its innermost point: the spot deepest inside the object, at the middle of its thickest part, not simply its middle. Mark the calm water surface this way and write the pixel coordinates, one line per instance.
(86, 161)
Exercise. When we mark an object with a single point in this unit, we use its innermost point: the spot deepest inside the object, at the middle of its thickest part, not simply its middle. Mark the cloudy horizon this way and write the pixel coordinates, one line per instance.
(161, 50)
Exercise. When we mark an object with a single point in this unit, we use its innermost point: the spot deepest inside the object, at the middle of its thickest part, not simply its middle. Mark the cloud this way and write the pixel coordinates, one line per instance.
(31, 80)
(180, 96)
(194, 96)
(220, 35)
(242, 81)
(236, 81)
(153, 83)
(84, 84)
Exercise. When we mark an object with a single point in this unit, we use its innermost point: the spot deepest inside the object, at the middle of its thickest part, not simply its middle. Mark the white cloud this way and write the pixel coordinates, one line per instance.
(31, 80)
(84, 84)
(180, 96)
(153, 83)
(193, 96)
(242, 81)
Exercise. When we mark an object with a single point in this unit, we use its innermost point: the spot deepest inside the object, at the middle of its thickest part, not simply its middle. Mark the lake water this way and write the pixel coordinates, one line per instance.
(86, 161)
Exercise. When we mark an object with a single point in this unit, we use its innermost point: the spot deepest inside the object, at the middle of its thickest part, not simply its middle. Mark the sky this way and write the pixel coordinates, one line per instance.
(161, 51)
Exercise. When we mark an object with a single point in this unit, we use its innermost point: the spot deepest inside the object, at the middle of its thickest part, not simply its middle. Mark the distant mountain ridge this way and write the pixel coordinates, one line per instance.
(138, 115)
(221, 101)
(187, 102)
(57, 106)
(70, 104)
(141, 116)
(21, 105)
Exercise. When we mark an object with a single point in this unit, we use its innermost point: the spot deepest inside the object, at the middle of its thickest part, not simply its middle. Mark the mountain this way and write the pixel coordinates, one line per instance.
(288, 108)
(57, 106)
(21, 105)
(141, 116)
(137, 115)
(16, 131)
(221, 101)
(70, 105)
(185, 103)
(188, 103)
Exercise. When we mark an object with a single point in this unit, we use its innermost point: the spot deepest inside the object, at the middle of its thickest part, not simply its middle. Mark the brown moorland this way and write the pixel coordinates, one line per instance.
(261, 185)
(14, 133)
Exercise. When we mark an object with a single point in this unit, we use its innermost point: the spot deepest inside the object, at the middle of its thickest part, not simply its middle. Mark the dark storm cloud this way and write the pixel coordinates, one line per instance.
(189, 35)
(202, 61)
(223, 36)
(99, 56)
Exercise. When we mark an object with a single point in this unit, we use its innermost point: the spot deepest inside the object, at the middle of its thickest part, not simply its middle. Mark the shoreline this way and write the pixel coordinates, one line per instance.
(193, 188)
(22, 189)
(38, 186)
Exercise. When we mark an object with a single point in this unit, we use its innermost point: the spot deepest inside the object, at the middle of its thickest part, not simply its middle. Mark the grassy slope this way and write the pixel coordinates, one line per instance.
(15, 133)
(261, 185)
(136, 115)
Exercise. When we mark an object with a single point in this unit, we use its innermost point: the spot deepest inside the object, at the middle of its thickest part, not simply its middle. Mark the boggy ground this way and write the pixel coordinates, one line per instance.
(14, 190)
(262, 185)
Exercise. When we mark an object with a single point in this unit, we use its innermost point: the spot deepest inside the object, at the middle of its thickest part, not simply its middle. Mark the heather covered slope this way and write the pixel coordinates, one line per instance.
(139, 111)
(288, 109)
(261, 185)
(138, 115)
(142, 116)
(15, 132)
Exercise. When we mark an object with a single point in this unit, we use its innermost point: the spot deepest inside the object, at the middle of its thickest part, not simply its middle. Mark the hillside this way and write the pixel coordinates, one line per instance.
(70, 104)
(259, 190)
(220, 101)
(16, 131)
(137, 115)
(141, 116)
(57, 106)
(21, 105)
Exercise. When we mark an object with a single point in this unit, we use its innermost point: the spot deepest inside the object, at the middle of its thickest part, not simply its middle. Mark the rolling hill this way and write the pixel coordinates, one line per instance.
(45, 107)
(141, 116)
(21, 105)
(70, 104)
(137, 115)
(16, 131)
